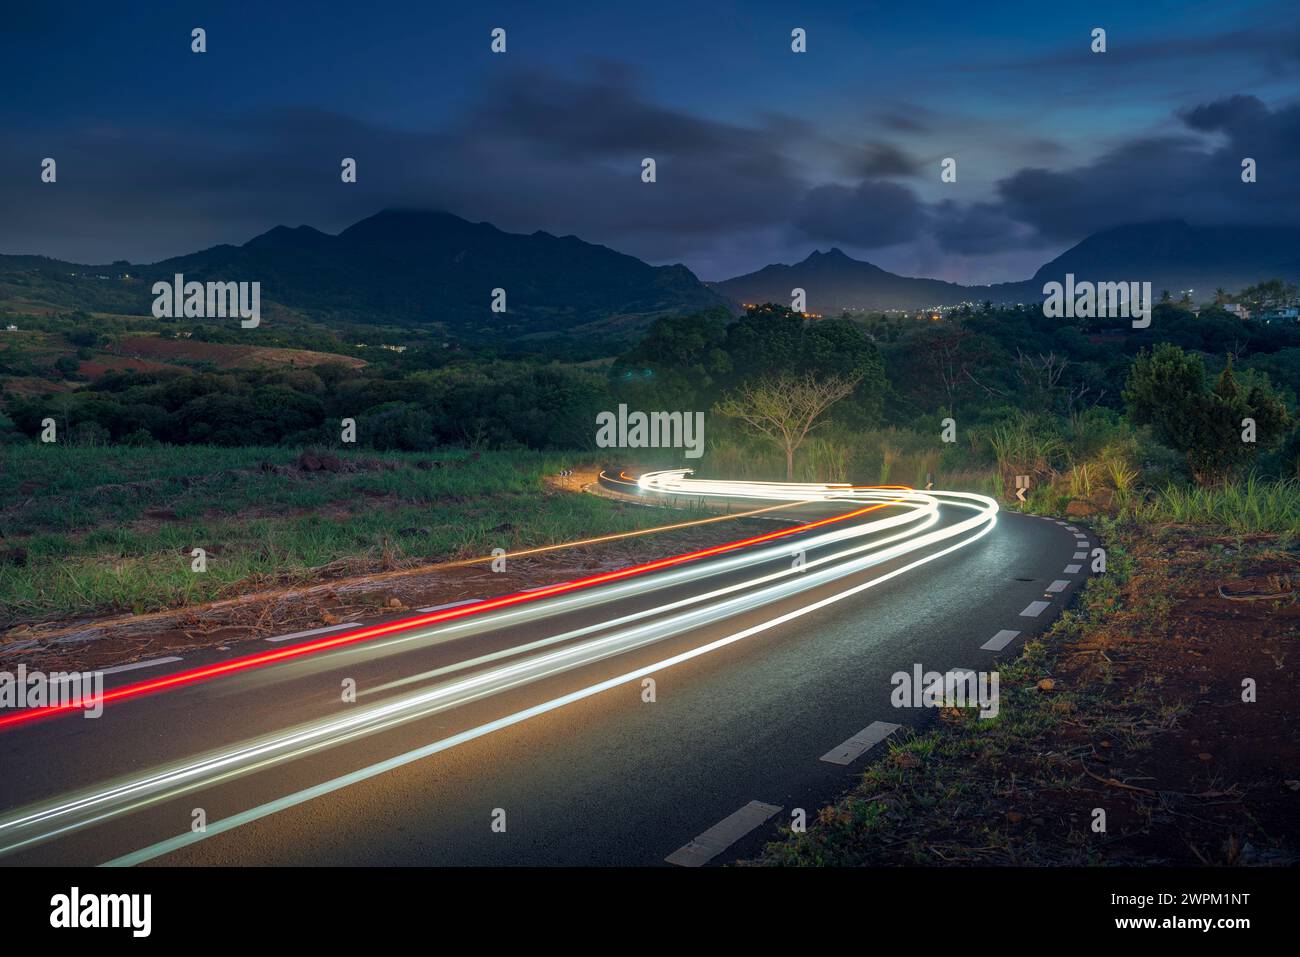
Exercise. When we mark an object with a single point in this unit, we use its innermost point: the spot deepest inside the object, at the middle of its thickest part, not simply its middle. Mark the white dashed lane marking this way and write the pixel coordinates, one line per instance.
(1072, 569)
(314, 631)
(1059, 585)
(1080, 555)
(860, 743)
(138, 664)
(1000, 640)
(722, 835)
(450, 604)
(1034, 609)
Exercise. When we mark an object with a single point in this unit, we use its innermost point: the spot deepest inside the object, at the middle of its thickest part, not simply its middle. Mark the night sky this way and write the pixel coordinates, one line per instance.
(763, 154)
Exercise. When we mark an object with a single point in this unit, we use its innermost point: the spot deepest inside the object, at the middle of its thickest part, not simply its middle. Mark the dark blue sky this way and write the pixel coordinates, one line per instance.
(763, 155)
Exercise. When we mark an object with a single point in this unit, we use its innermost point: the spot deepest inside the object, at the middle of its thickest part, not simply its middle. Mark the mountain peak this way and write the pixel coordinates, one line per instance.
(834, 253)
(400, 223)
(287, 236)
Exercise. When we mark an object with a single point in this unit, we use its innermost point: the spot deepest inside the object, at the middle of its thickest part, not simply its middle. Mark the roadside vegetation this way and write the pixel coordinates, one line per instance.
(182, 434)
(99, 530)
(1131, 703)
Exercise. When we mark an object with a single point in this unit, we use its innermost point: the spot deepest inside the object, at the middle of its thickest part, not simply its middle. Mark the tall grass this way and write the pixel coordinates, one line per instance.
(1249, 506)
(884, 457)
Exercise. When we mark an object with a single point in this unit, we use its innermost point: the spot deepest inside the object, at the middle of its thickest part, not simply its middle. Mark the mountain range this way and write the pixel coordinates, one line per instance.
(397, 267)
(1170, 254)
(433, 269)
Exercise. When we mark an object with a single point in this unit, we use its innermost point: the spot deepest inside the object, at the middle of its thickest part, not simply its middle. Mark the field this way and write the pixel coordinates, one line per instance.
(87, 531)
(223, 356)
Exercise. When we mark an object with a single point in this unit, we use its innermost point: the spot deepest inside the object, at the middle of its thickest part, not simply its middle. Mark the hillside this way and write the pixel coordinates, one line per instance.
(398, 267)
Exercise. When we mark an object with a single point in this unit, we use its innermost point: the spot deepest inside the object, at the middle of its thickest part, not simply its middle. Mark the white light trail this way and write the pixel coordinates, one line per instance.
(918, 514)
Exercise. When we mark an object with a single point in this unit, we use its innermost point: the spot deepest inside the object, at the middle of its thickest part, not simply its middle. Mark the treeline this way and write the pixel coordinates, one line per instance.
(985, 367)
(496, 405)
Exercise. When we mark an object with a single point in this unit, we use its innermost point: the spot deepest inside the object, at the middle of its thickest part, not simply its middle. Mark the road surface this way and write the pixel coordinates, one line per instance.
(525, 733)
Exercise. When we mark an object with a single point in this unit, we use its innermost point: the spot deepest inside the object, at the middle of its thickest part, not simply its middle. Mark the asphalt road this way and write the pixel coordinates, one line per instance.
(607, 779)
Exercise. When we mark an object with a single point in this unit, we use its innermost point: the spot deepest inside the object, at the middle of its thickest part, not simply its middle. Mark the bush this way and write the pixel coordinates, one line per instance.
(1168, 390)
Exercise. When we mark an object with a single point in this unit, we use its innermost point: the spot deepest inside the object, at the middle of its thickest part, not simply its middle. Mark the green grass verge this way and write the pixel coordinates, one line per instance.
(1249, 506)
(111, 529)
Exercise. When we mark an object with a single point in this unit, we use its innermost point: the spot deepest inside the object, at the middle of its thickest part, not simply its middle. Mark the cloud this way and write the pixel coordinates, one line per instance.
(1195, 176)
(537, 150)
(884, 159)
(1273, 47)
(541, 149)
(871, 214)
(979, 228)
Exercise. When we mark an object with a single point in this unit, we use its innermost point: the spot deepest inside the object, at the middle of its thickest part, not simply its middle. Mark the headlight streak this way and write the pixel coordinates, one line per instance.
(925, 513)
(300, 797)
(130, 794)
(338, 728)
(928, 519)
(234, 665)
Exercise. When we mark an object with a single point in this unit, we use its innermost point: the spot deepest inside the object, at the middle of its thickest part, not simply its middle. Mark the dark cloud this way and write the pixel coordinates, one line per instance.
(884, 159)
(1191, 176)
(544, 150)
(911, 121)
(975, 229)
(1237, 113)
(538, 151)
(1272, 47)
(872, 214)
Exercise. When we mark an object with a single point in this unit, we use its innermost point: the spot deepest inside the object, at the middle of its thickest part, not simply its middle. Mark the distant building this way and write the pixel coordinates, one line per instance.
(1280, 314)
(1237, 309)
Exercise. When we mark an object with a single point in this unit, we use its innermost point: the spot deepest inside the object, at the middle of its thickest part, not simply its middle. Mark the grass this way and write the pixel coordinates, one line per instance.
(881, 457)
(111, 529)
(1250, 506)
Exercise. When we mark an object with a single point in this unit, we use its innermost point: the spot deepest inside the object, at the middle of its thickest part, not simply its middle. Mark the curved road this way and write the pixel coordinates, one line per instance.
(522, 732)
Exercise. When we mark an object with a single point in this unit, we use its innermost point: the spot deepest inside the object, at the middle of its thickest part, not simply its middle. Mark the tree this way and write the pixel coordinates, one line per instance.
(1168, 389)
(764, 341)
(785, 408)
(1261, 297)
(677, 365)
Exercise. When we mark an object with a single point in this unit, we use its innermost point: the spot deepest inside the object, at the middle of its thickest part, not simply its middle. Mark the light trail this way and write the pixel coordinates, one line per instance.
(247, 662)
(551, 657)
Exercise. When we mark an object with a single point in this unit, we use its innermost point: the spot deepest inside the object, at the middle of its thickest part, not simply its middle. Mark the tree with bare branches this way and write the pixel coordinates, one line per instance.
(784, 409)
